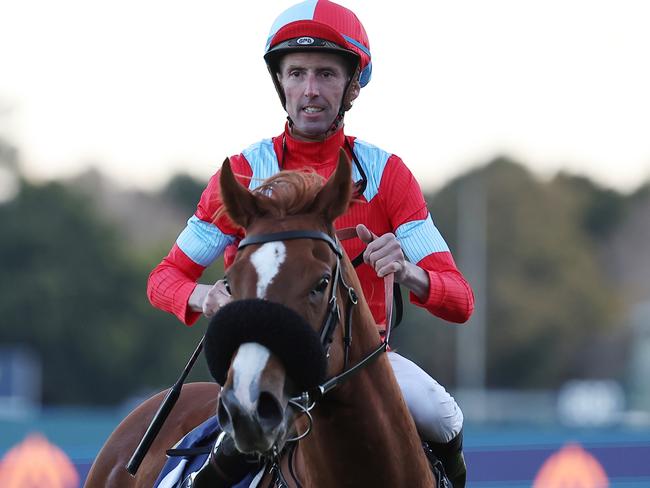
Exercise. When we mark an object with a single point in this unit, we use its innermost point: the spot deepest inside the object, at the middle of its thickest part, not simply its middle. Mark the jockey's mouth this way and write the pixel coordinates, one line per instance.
(312, 109)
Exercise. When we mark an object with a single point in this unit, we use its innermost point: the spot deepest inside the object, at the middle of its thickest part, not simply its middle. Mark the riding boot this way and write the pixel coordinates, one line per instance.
(225, 467)
(451, 455)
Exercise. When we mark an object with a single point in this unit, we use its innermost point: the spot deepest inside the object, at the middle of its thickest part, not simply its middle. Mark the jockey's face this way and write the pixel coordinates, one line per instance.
(313, 85)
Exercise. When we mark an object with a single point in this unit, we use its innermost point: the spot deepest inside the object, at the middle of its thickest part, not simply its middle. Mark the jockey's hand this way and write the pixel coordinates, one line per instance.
(383, 253)
(216, 298)
(207, 299)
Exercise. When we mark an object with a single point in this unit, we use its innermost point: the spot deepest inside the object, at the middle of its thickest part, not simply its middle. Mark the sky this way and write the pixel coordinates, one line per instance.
(141, 89)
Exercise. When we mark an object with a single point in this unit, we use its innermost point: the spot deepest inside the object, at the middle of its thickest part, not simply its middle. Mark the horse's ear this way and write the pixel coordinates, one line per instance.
(239, 203)
(333, 199)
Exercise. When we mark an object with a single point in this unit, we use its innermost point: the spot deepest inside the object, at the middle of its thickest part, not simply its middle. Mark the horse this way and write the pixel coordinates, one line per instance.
(298, 354)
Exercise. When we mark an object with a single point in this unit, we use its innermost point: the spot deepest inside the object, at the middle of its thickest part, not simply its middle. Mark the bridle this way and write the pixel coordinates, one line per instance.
(332, 317)
(306, 401)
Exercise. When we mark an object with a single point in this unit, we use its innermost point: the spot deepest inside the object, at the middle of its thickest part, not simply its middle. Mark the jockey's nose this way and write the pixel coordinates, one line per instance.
(311, 85)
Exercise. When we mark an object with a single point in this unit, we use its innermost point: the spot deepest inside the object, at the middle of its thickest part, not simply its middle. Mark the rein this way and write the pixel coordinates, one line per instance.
(391, 291)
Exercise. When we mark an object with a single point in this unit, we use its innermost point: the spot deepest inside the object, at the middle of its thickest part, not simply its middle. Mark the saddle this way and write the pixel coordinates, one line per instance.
(190, 454)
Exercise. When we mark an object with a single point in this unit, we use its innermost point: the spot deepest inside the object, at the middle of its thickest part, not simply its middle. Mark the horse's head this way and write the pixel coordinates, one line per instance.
(267, 346)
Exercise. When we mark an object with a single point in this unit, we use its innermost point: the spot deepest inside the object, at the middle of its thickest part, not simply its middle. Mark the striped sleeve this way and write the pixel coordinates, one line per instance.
(450, 297)
(171, 283)
(203, 240)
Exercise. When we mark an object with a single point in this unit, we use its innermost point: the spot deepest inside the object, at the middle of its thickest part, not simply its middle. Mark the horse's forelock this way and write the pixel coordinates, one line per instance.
(289, 193)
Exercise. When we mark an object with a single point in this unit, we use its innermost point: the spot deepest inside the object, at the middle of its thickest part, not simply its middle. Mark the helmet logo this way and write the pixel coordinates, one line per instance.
(305, 41)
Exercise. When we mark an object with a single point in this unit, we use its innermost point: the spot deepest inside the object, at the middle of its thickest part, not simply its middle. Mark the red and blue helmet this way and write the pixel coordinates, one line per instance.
(319, 25)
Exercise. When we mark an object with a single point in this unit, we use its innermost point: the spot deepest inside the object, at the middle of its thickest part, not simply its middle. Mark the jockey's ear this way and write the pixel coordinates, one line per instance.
(352, 93)
(333, 199)
(240, 204)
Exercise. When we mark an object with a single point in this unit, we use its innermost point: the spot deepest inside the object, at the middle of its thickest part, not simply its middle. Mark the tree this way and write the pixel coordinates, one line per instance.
(71, 292)
(183, 191)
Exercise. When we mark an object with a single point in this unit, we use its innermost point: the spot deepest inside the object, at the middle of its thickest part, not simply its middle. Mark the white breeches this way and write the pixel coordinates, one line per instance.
(437, 416)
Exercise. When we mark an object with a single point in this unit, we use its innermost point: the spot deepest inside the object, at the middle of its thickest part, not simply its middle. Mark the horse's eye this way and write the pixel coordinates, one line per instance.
(322, 285)
(227, 285)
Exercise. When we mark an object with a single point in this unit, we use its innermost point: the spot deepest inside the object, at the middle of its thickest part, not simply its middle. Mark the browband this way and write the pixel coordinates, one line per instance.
(289, 235)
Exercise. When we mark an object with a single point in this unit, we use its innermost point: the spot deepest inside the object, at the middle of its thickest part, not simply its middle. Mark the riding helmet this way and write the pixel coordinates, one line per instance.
(319, 25)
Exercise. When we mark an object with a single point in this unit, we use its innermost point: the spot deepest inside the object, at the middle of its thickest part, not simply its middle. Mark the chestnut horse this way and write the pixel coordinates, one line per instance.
(295, 321)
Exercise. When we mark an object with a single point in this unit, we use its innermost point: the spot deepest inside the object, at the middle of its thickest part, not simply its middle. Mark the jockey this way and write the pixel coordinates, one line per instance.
(318, 56)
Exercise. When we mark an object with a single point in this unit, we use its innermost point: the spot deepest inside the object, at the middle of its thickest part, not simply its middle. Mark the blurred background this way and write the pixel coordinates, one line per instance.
(526, 124)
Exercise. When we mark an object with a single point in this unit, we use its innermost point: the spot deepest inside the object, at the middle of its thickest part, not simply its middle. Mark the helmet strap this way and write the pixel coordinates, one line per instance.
(337, 122)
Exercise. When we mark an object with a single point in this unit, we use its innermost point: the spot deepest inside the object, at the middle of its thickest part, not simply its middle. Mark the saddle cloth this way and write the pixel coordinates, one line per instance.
(177, 468)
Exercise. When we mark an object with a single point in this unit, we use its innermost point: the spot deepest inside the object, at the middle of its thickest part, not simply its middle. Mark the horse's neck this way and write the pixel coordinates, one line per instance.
(363, 433)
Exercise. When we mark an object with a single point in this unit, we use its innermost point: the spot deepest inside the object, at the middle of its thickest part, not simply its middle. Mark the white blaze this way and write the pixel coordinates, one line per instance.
(267, 260)
(247, 366)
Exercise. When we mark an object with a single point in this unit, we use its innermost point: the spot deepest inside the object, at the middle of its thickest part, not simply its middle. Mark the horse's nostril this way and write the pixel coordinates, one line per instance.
(223, 416)
(269, 411)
